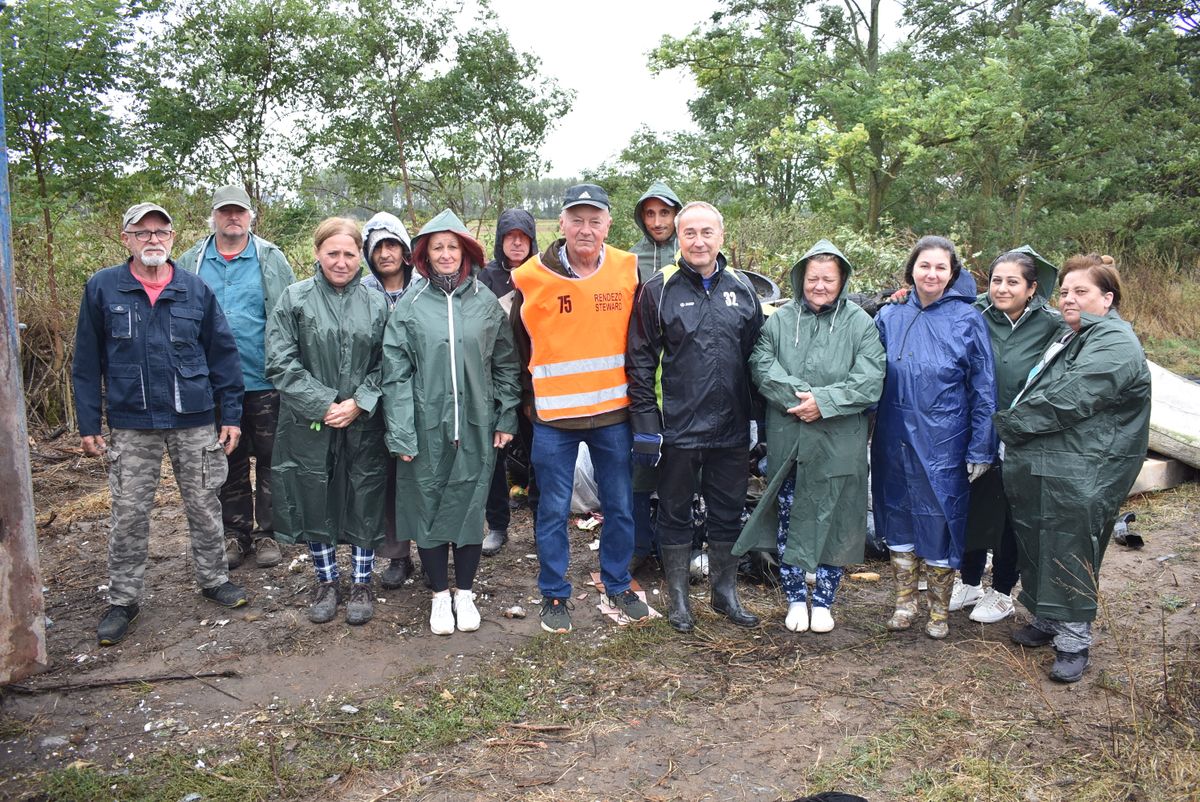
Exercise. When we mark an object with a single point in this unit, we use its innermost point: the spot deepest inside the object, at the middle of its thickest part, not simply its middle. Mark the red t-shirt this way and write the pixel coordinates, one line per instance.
(154, 289)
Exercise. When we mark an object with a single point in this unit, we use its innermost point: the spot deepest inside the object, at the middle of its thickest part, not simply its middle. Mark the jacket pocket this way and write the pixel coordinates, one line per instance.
(185, 324)
(193, 393)
(120, 321)
(125, 388)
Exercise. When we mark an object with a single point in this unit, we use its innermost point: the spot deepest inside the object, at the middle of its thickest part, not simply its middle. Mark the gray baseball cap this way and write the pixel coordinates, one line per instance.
(586, 195)
(231, 196)
(137, 211)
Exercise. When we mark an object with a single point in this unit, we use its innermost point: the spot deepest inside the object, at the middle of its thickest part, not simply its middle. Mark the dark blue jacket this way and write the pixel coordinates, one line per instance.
(166, 366)
(935, 416)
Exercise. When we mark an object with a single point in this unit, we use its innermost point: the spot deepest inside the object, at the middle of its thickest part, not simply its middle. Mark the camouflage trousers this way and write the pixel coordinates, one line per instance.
(134, 469)
(241, 505)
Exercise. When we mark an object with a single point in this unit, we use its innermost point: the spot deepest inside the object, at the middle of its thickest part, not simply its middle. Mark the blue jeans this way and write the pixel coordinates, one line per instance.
(553, 455)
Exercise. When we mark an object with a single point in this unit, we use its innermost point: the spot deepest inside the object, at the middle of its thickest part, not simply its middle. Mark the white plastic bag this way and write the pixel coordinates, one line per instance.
(585, 496)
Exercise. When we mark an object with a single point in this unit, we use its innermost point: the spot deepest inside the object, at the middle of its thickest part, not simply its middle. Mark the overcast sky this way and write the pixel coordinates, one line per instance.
(599, 50)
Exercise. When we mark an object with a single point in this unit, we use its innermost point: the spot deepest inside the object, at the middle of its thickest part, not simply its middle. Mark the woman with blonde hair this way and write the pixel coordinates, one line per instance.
(324, 354)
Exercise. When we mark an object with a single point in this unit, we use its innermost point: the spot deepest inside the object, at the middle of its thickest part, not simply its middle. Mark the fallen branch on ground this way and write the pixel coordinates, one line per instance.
(108, 683)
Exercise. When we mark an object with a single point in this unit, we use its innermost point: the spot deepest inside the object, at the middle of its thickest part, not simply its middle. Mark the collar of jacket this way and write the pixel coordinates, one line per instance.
(127, 282)
(1087, 319)
(694, 275)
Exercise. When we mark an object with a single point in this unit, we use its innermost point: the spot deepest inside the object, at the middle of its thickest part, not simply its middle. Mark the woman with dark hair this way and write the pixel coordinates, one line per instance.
(1022, 326)
(933, 431)
(1074, 440)
(324, 352)
(451, 388)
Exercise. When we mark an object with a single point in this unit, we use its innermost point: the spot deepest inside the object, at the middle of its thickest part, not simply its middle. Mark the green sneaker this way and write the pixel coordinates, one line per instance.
(556, 615)
(628, 603)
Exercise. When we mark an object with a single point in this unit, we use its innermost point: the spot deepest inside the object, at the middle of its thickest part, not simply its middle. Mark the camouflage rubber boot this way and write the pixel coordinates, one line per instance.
(941, 587)
(904, 568)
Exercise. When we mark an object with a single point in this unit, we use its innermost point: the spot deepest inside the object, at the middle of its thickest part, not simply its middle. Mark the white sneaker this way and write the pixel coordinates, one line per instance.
(797, 617)
(822, 620)
(964, 595)
(441, 616)
(465, 611)
(994, 606)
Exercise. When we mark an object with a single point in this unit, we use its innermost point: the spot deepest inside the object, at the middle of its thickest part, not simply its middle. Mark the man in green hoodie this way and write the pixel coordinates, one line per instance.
(655, 216)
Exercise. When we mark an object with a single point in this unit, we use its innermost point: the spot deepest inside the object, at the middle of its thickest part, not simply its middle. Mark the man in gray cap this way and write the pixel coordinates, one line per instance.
(247, 274)
(157, 340)
(570, 318)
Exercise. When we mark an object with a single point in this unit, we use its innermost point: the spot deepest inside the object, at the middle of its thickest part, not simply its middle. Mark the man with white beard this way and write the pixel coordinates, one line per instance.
(157, 340)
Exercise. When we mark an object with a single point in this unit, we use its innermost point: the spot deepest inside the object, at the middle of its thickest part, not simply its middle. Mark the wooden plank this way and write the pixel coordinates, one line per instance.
(1174, 416)
(1160, 473)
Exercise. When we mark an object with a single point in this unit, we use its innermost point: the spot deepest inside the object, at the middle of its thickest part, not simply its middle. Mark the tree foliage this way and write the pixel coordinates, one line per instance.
(997, 121)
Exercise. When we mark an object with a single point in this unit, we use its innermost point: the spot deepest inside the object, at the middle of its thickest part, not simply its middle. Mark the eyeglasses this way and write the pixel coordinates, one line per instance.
(148, 234)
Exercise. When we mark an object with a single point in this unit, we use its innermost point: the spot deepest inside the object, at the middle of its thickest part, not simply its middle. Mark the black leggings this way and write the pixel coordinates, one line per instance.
(436, 563)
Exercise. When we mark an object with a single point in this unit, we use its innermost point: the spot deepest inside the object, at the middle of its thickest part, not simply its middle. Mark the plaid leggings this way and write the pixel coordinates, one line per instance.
(792, 576)
(324, 557)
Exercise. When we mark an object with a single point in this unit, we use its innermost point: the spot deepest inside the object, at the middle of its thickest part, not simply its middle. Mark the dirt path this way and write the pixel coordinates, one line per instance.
(720, 714)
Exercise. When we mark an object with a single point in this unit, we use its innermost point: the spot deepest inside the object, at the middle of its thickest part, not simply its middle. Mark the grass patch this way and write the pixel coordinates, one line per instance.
(1178, 354)
(298, 755)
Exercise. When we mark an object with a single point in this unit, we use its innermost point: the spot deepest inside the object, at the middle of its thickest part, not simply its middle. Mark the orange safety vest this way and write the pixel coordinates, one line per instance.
(577, 329)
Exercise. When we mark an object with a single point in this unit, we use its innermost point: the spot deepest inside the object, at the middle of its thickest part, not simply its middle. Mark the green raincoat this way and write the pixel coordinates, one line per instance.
(1074, 443)
(323, 346)
(450, 383)
(836, 355)
(1016, 347)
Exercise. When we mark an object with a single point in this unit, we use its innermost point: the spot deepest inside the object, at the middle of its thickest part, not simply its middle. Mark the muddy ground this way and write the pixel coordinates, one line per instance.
(611, 714)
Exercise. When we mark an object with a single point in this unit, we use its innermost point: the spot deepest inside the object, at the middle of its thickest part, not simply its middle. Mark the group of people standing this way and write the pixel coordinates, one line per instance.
(378, 406)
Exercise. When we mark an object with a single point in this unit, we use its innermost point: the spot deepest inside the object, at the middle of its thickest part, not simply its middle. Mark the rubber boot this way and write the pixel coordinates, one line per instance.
(941, 587)
(904, 569)
(722, 575)
(675, 567)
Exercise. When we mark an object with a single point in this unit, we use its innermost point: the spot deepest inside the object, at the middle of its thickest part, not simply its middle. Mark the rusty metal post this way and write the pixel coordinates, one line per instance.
(22, 608)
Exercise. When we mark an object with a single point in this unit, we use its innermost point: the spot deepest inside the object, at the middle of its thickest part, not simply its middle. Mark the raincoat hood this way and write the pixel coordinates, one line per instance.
(822, 248)
(383, 226)
(664, 193)
(447, 220)
(514, 220)
(1047, 274)
(652, 255)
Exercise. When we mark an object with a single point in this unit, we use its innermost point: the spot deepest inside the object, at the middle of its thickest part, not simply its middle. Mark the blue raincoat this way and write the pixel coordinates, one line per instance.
(939, 394)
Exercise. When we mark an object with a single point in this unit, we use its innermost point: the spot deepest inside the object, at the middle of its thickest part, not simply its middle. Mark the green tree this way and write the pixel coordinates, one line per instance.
(374, 97)
(456, 118)
(226, 89)
(65, 63)
(494, 111)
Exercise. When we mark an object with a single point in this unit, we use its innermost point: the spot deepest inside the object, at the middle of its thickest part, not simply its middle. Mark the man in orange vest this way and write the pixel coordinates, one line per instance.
(570, 315)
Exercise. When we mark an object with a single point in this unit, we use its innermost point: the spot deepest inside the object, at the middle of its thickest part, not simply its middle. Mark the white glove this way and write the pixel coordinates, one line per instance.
(976, 469)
